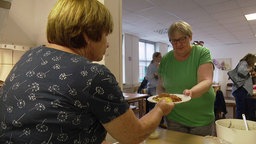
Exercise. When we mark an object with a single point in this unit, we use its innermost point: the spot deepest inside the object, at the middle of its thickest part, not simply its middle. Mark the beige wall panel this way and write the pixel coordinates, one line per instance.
(5, 56)
(4, 71)
(17, 55)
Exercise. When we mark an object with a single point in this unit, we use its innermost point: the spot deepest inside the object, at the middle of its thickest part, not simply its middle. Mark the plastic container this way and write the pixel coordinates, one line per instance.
(233, 131)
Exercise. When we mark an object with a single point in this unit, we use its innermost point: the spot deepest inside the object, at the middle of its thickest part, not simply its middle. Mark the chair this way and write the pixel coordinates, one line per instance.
(143, 85)
(229, 90)
(220, 109)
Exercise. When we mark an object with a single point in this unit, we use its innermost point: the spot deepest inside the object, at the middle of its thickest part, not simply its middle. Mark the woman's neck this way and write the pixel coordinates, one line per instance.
(183, 56)
(62, 48)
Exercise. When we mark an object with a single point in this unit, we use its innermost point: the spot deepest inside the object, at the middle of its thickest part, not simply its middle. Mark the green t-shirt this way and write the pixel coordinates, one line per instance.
(180, 75)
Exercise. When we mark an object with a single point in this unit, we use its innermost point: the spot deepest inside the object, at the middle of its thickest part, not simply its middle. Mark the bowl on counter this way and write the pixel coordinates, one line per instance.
(233, 131)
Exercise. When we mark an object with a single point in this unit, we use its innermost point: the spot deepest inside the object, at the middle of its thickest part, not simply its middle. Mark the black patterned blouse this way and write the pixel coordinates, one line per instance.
(54, 97)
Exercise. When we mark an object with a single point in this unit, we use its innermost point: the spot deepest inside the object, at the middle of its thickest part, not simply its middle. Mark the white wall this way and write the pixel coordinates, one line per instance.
(131, 44)
(163, 48)
(113, 57)
(7, 59)
(26, 23)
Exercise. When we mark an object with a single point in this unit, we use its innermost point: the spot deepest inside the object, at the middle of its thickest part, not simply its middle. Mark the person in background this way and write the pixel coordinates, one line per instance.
(241, 93)
(56, 94)
(253, 73)
(188, 70)
(152, 77)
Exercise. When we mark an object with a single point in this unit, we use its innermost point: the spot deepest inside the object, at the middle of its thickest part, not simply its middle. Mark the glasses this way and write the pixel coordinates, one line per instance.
(180, 40)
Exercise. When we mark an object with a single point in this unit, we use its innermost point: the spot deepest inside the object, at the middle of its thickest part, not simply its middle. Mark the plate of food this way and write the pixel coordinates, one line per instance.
(176, 98)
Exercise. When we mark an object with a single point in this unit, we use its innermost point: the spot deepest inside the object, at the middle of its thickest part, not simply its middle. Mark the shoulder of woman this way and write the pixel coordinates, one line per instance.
(168, 54)
(200, 48)
(99, 68)
(243, 63)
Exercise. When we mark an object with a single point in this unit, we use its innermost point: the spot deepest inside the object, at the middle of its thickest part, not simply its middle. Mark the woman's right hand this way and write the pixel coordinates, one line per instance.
(165, 107)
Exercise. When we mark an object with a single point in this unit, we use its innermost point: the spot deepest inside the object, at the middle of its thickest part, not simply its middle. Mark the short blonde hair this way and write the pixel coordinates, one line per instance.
(70, 19)
(181, 27)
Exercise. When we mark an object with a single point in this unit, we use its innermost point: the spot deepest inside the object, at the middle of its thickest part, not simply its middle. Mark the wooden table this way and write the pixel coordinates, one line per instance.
(169, 137)
(230, 102)
(173, 137)
(140, 99)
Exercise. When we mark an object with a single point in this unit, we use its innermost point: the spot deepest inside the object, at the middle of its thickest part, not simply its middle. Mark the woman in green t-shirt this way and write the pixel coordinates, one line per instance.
(188, 70)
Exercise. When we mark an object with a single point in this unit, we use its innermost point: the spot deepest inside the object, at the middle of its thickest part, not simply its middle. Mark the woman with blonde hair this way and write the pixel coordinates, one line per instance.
(188, 70)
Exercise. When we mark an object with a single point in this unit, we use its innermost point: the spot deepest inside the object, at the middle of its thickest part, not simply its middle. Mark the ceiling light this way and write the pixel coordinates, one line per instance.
(161, 31)
(250, 16)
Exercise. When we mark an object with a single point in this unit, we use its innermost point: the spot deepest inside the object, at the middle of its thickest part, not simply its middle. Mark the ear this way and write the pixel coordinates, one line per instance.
(86, 38)
(190, 38)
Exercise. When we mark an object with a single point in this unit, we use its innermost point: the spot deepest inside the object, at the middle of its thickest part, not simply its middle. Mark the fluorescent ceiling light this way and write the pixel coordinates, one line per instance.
(251, 16)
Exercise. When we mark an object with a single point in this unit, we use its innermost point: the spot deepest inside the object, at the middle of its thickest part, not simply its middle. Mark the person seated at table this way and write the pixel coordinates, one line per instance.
(56, 94)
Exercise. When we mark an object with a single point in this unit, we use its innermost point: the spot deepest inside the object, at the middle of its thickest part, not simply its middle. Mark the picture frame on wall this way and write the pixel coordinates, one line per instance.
(223, 63)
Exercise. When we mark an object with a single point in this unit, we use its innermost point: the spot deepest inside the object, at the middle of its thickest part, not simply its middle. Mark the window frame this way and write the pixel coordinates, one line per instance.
(145, 60)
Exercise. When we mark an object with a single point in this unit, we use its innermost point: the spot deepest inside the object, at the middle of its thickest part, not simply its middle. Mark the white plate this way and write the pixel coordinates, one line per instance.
(183, 98)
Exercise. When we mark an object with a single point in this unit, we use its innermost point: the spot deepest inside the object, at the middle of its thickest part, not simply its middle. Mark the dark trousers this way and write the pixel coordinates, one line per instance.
(241, 96)
(150, 105)
(251, 108)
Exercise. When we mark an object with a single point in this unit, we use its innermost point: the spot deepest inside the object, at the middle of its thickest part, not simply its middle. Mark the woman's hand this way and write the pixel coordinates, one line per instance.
(105, 142)
(165, 107)
(187, 92)
(155, 75)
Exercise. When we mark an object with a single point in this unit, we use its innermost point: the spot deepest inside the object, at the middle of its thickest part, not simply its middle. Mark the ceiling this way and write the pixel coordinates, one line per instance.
(219, 23)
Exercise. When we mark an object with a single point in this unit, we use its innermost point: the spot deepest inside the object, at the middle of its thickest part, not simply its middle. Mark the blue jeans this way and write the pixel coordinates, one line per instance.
(240, 97)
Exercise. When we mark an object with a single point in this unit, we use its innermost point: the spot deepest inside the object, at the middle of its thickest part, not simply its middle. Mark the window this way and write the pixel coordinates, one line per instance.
(146, 50)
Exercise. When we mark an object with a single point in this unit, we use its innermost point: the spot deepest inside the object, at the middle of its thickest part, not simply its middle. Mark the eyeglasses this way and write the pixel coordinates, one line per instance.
(180, 40)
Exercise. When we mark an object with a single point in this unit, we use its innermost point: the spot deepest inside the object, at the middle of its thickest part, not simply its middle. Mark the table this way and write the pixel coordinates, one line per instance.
(231, 103)
(173, 137)
(170, 137)
(139, 98)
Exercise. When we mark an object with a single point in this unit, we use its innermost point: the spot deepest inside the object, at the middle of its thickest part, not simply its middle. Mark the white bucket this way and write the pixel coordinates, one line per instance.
(233, 131)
